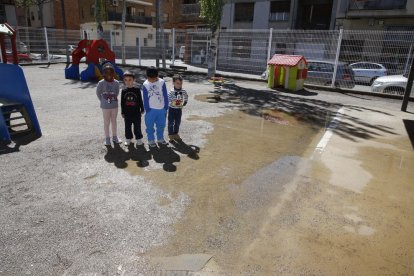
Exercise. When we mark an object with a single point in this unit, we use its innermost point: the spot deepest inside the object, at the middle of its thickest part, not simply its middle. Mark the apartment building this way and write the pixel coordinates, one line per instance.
(8, 12)
(375, 15)
(279, 14)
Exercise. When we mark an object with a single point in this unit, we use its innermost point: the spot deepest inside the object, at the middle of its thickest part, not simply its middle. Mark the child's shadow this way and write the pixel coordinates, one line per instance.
(139, 154)
(190, 150)
(117, 156)
(166, 156)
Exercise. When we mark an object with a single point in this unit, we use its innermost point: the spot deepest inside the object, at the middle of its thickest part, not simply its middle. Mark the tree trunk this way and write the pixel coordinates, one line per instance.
(212, 54)
(42, 24)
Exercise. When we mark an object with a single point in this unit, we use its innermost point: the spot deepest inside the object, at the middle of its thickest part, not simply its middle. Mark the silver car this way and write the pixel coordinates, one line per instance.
(367, 72)
(394, 84)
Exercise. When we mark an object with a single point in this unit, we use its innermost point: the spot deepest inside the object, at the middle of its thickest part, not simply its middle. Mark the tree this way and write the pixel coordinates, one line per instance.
(211, 11)
(99, 16)
(26, 4)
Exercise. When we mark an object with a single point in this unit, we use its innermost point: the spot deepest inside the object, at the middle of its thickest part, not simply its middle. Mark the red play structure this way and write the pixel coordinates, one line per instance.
(94, 51)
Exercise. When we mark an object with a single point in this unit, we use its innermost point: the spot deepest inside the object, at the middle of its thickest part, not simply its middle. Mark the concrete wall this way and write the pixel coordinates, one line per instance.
(48, 15)
(261, 15)
(131, 33)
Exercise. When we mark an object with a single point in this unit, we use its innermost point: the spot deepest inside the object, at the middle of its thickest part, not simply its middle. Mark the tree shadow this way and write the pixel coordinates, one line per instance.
(82, 84)
(166, 156)
(190, 150)
(117, 156)
(315, 112)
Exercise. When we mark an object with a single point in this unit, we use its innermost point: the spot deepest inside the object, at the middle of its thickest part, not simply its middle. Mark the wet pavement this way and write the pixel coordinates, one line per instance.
(264, 183)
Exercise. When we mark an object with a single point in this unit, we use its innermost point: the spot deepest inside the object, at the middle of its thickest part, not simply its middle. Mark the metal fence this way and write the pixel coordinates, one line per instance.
(374, 61)
(45, 44)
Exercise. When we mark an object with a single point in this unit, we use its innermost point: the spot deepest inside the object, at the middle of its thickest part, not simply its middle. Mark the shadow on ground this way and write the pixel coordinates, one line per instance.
(305, 109)
(409, 127)
(164, 155)
(18, 140)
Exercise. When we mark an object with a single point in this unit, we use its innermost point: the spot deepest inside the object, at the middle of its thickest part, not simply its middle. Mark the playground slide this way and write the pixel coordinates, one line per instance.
(13, 87)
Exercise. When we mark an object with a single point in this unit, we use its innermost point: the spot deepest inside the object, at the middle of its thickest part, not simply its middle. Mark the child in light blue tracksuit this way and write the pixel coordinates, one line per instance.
(155, 97)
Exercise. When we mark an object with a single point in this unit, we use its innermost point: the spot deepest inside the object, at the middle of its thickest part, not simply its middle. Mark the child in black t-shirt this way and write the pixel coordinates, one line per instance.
(131, 109)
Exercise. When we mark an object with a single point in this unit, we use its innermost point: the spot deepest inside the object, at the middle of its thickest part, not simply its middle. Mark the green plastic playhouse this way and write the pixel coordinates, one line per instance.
(287, 71)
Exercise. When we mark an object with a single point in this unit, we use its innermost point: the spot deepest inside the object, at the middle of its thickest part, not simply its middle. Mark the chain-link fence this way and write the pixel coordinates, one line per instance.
(45, 44)
(374, 61)
(371, 61)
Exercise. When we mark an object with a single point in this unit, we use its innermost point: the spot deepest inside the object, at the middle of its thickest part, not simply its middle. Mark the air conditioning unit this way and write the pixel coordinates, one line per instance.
(115, 3)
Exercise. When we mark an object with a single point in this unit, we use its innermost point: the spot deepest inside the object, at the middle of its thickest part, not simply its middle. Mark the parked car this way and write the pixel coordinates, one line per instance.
(22, 58)
(394, 84)
(321, 72)
(367, 72)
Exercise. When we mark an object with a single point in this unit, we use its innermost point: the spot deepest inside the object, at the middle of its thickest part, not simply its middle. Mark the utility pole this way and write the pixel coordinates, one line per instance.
(409, 87)
(157, 30)
(123, 31)
(65, 33)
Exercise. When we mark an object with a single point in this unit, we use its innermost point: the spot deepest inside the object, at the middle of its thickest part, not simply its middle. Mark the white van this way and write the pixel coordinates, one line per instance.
(181, 53)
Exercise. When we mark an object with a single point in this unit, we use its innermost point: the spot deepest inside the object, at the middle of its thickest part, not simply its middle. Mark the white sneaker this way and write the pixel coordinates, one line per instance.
(152, 144)
(116, 140)
(107, 141)
(139, 142)
(127, 142)
(162, 142)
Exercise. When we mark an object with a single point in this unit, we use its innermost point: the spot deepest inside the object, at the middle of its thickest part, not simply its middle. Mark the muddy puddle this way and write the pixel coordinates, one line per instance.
(240, 172)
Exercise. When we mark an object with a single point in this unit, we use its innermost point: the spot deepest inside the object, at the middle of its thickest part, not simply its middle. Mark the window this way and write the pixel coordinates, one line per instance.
(145, 42)
(32, 16)
(377, 4)
(165, 17)
(279, 11)
(141, 12)
(2, 14)
(241, 48)
(326, 67)
(244, 12)
(92, 10)
(130, 11)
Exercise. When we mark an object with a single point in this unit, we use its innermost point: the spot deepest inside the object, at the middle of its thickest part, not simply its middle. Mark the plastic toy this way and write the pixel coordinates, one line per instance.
(287, 71)
(94, 51)
(17, 114)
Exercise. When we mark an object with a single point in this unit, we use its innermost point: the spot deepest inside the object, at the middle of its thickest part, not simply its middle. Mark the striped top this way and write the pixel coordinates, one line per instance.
(177, 98)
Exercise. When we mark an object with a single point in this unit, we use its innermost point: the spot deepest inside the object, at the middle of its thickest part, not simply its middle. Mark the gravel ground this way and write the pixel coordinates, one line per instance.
(66, 209)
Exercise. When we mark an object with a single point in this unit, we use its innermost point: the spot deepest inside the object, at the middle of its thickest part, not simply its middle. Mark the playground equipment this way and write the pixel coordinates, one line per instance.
(93, 50)
(287, 71)
(17, 114)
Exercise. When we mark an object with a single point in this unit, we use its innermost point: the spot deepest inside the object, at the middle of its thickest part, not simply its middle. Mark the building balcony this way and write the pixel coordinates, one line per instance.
(115, 16)
(190, 9)
(377, 5)
(279, 16)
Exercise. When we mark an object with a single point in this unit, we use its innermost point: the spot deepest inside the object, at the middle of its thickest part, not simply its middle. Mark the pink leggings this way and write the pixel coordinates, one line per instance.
(109, 116)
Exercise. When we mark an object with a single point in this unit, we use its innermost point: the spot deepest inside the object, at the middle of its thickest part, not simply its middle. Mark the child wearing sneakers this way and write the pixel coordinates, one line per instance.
(177, 99)
(131, 109)
(107, 92)
(155, 96)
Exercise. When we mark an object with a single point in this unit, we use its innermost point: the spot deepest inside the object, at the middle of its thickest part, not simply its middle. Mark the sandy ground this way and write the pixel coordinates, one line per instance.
(246, 187)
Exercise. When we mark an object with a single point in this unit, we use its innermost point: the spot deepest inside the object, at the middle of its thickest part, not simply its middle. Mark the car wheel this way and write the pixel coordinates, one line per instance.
(394, 90)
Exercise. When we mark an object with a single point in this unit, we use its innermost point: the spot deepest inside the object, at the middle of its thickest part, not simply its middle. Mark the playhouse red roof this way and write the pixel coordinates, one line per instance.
(286, 60)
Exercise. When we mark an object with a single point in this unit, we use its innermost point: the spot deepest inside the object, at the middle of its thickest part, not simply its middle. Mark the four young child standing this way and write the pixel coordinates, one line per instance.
(155, 102)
